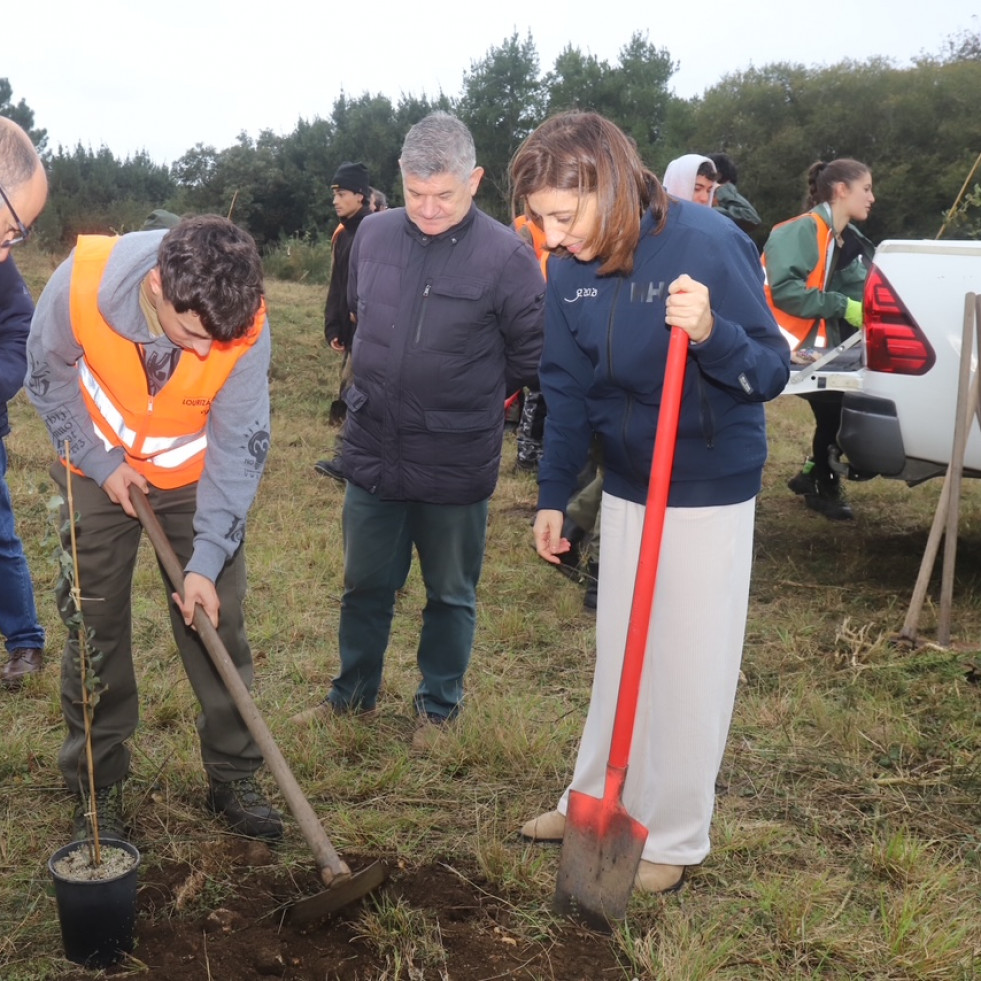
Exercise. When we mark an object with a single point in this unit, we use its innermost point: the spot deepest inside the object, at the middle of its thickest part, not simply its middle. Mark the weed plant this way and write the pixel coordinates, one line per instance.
(847, 839)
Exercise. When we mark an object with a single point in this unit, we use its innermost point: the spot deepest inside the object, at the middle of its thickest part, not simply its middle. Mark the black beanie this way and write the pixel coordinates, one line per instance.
(353, 177)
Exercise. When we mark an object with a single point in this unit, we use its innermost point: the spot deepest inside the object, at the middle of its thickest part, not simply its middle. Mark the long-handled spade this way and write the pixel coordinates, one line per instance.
(343, 887)
(602, 844)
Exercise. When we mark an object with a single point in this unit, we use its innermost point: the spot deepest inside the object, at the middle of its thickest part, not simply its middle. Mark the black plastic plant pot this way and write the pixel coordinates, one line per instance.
(97, 916)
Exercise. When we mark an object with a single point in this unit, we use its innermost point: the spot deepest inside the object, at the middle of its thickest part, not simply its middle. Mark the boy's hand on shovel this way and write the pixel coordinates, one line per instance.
(198, 591)
(118, 483)
(688, 307)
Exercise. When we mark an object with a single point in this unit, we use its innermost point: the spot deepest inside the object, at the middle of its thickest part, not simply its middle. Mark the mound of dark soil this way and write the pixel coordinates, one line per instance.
(245, 935)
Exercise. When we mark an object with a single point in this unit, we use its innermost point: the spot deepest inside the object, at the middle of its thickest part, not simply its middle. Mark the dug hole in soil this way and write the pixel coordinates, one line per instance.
(179, 938)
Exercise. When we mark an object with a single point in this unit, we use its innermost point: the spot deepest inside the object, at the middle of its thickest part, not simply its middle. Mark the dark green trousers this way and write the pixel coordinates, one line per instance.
(107, 542)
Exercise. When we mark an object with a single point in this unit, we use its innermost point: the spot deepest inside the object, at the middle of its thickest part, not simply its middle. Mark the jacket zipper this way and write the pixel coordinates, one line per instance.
(422, 309)
(705, 412)
(629, 410)
(609, 329)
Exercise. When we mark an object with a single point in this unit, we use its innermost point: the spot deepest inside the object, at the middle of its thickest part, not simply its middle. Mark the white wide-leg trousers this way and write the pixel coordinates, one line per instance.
(691, 669)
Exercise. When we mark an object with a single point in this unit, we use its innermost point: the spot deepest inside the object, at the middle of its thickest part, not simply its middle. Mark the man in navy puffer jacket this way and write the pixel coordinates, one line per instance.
(449, 306)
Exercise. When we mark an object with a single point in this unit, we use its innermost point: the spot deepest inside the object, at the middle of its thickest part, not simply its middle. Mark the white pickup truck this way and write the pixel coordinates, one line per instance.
(900, 380)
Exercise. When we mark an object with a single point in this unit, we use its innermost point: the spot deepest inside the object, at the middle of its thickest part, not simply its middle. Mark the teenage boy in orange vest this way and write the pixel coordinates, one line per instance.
(148, 356)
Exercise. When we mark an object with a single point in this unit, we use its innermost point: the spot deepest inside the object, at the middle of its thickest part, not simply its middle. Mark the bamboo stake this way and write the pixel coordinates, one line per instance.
(83, 662)
(960, 194)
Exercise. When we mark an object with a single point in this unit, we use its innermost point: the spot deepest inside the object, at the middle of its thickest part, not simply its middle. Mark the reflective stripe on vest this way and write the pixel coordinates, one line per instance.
(163, 436)
(168, 452)
(799, 329)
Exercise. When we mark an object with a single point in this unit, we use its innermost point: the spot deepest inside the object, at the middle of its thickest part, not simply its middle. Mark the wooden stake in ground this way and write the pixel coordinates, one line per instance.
(946, 517)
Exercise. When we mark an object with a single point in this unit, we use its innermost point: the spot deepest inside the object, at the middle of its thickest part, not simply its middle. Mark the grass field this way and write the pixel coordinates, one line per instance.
(847, 841)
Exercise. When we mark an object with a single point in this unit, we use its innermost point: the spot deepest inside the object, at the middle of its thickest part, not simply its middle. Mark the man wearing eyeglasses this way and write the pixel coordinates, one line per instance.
(23, 191)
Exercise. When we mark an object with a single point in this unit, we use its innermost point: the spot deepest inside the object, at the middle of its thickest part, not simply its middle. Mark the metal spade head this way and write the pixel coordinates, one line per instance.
(601, 851)
(342, 892)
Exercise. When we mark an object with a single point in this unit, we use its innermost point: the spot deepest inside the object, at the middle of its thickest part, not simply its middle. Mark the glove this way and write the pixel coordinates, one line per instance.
(853, 313)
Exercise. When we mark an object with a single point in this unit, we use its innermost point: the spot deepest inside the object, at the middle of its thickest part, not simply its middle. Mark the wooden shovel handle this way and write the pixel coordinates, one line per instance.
(650, 548)
(328, 861)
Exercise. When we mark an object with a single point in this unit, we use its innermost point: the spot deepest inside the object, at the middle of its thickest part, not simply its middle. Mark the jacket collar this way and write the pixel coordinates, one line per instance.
(454, 232)
(351, 224)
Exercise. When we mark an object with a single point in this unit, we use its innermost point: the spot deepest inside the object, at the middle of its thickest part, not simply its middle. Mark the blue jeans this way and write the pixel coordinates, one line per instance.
(378, 540)
(18, 613)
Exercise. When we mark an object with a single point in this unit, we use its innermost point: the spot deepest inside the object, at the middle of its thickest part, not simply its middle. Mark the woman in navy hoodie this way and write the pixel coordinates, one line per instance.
(627, 263)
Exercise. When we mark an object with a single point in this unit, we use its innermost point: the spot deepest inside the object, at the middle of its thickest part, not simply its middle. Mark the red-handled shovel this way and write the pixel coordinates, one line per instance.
(602, 844)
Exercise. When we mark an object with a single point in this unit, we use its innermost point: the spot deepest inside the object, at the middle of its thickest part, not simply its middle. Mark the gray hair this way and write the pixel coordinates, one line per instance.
(438, 144)
(18, 158)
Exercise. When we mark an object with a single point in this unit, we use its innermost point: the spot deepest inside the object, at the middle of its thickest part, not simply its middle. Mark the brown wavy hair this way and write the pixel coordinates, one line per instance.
(583, 152)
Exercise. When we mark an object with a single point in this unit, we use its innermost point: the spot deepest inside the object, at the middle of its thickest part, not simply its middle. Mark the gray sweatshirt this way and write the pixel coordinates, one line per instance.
(237, 427)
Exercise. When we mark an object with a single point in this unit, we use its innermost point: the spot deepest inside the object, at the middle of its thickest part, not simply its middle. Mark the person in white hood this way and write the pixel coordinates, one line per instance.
(691, 177)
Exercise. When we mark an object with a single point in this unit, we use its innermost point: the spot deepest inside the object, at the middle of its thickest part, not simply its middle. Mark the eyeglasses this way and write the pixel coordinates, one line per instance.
(25, 232)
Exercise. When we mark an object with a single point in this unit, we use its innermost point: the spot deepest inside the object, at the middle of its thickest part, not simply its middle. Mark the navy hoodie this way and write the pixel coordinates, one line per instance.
(603, 362)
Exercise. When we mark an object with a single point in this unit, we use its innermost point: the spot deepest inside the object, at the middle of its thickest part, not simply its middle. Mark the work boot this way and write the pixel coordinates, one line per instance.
(828, 499)
(546, 827)
(654, 877)
(331, 468)
(20, 664)
(109, 808)
(803, 482)
(244, 806)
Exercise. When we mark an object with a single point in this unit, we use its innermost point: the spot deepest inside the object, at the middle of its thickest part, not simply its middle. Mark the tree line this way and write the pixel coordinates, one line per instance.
(917, 127)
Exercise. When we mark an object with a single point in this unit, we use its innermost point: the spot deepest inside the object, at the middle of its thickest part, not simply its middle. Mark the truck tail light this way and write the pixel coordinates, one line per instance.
(894, 342)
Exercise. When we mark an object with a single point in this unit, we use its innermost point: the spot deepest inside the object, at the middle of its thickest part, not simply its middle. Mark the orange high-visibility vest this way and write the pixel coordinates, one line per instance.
(163, 435)
(537, 234)
(803, 327)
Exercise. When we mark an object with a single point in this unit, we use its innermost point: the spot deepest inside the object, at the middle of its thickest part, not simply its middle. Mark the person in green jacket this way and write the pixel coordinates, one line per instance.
(816, 265)
(727, 199)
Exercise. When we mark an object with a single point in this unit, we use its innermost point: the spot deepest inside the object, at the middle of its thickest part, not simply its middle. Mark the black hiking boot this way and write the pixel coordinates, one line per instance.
(804, 481)
(331, 468)
(828, 499)
(245, 807)
(108, 806)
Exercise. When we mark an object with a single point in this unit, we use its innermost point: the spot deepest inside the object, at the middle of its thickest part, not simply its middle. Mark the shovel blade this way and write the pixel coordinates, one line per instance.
(601, 851)
(344, 891)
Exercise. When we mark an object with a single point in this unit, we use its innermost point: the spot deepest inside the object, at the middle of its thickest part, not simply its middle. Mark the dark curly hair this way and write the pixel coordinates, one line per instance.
(211, 267)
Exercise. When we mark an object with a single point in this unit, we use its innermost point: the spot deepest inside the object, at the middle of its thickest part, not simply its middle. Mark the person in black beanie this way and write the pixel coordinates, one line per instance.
(352, 197)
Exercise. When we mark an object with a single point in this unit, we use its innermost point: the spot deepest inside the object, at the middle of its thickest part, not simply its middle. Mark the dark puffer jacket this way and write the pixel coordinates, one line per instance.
(16, 310)
(448, 325)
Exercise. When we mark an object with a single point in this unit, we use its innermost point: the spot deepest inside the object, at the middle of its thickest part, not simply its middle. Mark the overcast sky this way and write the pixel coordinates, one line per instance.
(165, 76)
